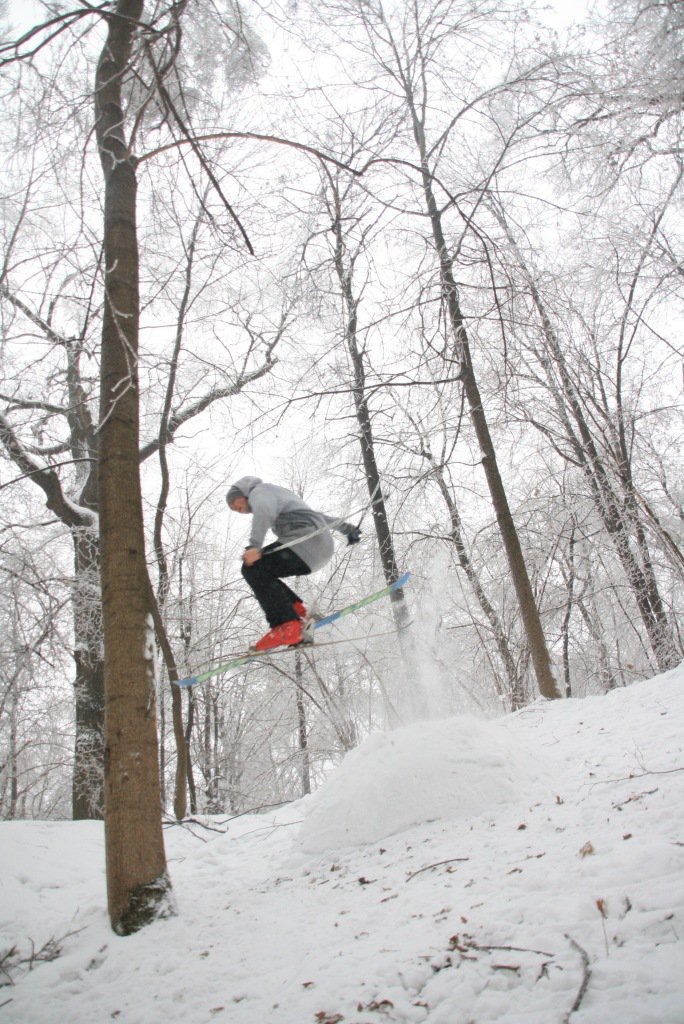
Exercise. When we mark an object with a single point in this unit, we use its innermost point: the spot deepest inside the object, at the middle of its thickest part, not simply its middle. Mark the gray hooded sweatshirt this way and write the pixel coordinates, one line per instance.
(294, 523)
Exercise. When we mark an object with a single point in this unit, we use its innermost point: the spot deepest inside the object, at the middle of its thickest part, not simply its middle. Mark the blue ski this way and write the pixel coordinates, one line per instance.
(242, 659)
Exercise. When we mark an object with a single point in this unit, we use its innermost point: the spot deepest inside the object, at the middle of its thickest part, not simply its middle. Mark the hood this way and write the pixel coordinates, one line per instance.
(247, 483)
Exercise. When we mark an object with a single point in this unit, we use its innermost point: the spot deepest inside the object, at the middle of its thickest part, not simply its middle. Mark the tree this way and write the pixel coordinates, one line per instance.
(31, 709)
(405, 48)
(138, 884)
(606, 460)
(61, 411)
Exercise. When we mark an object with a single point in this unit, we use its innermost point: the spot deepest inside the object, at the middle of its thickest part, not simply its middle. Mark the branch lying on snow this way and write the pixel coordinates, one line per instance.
(511, 949)
(11, 959)
(586, 975)
(633, 798)
(639, 775)
(187, 822)
(439, 863)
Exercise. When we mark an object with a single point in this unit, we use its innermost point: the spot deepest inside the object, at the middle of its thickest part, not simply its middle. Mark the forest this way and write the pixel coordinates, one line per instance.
(419, 261)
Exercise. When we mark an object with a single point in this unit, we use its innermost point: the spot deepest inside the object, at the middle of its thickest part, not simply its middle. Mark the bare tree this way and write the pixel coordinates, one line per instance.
(597, 430)
(406, 50)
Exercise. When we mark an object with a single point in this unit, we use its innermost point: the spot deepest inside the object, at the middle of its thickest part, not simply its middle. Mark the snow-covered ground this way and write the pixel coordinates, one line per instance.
(526, 871)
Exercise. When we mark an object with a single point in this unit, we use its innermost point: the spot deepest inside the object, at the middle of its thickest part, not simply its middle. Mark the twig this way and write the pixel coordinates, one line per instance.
(194, 821)
(270, 828)
(638, 775)
(50, 950)
(259, 809)
(511, 949)
(6, 962)
(439, 863)
(586, 975)
(634, 797)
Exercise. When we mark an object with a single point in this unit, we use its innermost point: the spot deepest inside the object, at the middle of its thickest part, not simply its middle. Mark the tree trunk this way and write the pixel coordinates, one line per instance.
(619, 512)
(529, 612)
(137, 881)
(301, 729)
(88, 780)
(513, 675)
(370, 465)
(619, 509)
(410, 696)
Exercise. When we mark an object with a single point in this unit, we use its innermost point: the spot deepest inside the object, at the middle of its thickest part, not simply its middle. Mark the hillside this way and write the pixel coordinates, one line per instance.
(451, 872)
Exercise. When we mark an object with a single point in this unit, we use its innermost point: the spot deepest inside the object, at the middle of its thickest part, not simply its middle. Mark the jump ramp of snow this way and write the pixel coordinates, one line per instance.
(454, 769)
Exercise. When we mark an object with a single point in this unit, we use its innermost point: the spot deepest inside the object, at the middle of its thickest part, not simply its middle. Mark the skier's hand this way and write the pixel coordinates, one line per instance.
(354, 535)
(251, 555)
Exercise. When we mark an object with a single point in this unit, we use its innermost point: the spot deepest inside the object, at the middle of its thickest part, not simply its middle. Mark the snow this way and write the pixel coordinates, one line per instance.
(429, 771)
(450, 872)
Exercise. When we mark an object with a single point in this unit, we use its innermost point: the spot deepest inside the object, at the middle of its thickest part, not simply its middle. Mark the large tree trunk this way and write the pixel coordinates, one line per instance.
(137, 880)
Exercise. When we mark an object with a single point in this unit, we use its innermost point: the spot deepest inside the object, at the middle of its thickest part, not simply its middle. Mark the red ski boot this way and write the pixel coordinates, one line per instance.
(287, 635)
(307, 622)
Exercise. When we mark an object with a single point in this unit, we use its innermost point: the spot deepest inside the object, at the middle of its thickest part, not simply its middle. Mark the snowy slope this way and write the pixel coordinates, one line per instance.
(451, 872)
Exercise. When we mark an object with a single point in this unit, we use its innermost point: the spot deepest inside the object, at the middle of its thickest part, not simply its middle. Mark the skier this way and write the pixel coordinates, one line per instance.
(304, 544)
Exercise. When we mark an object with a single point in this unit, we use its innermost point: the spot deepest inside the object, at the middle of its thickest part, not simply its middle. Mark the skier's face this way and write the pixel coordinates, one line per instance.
(240, 505)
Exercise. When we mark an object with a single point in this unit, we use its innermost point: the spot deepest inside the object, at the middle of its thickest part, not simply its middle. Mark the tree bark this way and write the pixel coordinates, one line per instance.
(305, 764)
(137, 881)
(529, 612)
(619, 512)
(513, 675)
(383, 533)
(88, 775)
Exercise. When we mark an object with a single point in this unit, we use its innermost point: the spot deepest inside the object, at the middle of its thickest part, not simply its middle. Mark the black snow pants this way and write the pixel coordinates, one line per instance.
(274, 596)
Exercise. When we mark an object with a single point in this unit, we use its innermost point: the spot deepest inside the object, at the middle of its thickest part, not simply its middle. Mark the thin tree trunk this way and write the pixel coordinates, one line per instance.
(615, 513)
(87, 780)
(180, 802)
(619, 512)
(301, 729)
(565, 626)
(373, 481)
(88, 774)
(189, 724)
(529, 612)
(515, 687)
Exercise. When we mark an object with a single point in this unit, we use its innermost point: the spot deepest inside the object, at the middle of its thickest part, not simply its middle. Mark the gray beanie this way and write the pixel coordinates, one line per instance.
(233, 493)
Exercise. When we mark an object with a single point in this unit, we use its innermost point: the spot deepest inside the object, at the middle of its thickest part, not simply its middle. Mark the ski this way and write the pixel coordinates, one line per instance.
(247, 656)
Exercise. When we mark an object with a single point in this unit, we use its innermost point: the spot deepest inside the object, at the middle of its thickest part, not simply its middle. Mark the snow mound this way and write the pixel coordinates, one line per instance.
(454, 769)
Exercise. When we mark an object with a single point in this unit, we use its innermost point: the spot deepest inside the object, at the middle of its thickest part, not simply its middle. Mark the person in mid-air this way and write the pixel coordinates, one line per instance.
(304, 544)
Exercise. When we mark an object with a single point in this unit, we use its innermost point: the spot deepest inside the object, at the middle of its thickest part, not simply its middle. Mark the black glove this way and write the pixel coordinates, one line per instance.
(353, 535)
